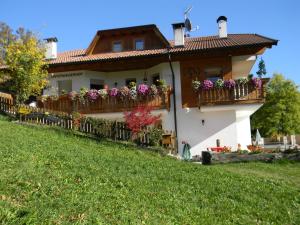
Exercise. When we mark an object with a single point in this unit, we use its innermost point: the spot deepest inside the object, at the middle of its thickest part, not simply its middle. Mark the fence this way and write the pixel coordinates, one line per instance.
(99, 127)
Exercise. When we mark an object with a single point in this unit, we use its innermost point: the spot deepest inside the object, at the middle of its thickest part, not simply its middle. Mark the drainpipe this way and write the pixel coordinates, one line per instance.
(174, 97)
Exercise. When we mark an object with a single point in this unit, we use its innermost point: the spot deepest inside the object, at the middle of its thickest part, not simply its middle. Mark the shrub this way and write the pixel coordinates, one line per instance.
(139, 118)
(155, 136)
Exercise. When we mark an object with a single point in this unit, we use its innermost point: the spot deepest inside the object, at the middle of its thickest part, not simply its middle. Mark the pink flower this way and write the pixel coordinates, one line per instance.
(143, 89)
(92, 95)
(113, 92)
(207, 84)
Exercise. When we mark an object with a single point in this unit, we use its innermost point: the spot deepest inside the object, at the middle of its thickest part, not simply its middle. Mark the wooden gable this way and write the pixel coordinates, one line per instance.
(150, 34)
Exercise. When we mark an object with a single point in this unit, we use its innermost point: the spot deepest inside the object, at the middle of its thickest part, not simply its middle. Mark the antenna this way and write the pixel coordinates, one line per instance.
(187, 22)
(187, 11)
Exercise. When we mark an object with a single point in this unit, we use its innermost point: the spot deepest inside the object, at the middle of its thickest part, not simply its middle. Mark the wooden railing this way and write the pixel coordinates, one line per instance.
(240, 94)
(108, 104)
(6, 103)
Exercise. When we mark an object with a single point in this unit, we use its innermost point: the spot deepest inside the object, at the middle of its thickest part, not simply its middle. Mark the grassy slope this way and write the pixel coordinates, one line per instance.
(48, 176)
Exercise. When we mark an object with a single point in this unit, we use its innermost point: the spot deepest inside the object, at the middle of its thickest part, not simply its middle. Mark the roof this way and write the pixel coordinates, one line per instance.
(193, 44)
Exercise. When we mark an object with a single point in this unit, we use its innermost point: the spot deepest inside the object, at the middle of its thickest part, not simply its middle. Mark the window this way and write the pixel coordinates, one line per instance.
(129, 80)
(155, 79)
(64, 86)
(139, 44)
(213, 73)
(96, 84)
(117, 46)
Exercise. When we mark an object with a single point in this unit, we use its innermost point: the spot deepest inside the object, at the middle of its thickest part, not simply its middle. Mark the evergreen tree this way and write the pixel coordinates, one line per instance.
(261, 69)
(280, 115)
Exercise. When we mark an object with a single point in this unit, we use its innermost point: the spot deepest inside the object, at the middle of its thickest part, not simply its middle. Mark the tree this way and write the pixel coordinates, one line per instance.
(27, 69)
(280, 115)
(139, 118)
(8, 36)
(261, 69)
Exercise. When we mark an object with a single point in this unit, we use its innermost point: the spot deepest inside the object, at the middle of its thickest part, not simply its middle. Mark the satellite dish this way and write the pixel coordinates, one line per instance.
(188, 24)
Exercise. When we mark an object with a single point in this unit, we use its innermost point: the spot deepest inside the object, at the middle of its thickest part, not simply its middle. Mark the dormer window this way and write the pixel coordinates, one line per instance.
(139, 44)
(117, 46)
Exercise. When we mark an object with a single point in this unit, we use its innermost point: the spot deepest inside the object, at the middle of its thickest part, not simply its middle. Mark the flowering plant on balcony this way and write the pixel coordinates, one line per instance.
(153, 90)
(229, 83)
(92, 95)
(82, 94)
(133, 94)
(256, 82)
(132, 85)
(103, 93)
(162, 87)
(113, 92)
(143, 89)
(219, 84)
(196, 85)
(72, 95)
(124, 92)
(242, 80)
(207, 85)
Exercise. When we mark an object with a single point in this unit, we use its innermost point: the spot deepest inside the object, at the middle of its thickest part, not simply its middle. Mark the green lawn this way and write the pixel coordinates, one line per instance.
(51, 177)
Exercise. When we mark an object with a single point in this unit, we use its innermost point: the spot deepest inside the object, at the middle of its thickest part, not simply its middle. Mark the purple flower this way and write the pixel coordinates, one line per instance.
(113, 92)
(256, 82)
(229, 83)
(143, 89)
(92, 94)
(207, 84)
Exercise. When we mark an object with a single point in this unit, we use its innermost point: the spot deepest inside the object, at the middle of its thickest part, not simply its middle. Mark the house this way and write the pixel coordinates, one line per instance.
(142, 54)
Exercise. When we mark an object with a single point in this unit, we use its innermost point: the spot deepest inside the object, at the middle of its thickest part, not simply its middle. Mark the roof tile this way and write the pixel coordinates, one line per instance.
(191, 44)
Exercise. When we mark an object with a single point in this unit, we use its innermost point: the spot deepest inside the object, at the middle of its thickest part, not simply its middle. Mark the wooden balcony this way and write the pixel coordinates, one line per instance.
(240, 94)
(106, 105)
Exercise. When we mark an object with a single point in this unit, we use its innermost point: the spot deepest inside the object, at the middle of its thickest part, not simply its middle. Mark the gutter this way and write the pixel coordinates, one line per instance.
(174, 97)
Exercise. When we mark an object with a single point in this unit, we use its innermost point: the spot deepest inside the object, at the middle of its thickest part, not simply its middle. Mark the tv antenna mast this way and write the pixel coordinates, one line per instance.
(188, 23)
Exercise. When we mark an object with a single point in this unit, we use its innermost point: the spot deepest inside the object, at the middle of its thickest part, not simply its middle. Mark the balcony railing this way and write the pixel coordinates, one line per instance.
(239, 94)
(106, 105)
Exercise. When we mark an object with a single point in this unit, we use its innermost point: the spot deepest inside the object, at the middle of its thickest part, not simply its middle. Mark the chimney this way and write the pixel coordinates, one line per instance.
(178, 29)
(51, 48)
(222, 25)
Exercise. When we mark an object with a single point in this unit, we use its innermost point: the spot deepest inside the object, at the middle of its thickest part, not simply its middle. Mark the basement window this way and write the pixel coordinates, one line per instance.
(117, 46)
(213, 73)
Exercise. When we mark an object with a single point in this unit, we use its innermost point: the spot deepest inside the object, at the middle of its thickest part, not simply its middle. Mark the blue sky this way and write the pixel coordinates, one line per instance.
(75, 22)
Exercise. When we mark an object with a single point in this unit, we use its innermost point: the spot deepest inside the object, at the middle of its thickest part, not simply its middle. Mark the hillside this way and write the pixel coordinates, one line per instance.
(49, 176)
